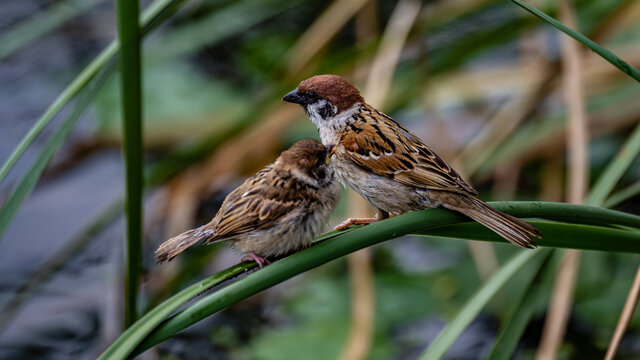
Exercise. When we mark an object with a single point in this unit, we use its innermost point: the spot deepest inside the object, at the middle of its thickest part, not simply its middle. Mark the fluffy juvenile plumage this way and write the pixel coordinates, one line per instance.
(387, 165)
(278, 210)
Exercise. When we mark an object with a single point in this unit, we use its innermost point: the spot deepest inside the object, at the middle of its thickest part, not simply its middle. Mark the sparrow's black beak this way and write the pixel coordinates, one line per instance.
(294, 97)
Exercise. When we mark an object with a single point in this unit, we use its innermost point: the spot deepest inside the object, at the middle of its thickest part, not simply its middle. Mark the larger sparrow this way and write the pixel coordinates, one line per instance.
(389, 166)
(278, 210)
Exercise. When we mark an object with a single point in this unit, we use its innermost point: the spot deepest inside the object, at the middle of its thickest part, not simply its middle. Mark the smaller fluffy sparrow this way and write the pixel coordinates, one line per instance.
(278, 210)
(389, 166)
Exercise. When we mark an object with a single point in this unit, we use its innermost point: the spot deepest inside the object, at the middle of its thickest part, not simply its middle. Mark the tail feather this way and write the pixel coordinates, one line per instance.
(514, 230)
(176, 245)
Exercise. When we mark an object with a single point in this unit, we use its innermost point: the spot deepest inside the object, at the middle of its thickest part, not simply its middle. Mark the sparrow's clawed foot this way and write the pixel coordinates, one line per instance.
(355, 221)
(251, 256)
(381, 215)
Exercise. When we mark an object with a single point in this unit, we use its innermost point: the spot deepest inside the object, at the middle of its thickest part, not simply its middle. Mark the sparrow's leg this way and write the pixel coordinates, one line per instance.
(254, 257)
(380, 215)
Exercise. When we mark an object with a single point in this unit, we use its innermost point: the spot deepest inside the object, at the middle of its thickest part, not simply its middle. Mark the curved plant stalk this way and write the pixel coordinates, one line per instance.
(557, 235)
(129, 339)
(341, 243)
(476, 303)
(155, 14)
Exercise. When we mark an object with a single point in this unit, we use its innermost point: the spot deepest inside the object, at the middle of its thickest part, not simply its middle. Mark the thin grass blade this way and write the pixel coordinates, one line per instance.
(623, 195)
(41, 23)
(606, 54)
(530, 299)
(154, 15)
(615, 169)
(26, 184)
(476, 303)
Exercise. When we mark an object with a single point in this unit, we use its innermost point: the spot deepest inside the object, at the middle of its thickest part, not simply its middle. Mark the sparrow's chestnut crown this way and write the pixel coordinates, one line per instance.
(337, 90)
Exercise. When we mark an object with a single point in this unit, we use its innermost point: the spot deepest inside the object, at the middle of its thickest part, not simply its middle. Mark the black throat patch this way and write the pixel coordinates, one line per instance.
(326, 111)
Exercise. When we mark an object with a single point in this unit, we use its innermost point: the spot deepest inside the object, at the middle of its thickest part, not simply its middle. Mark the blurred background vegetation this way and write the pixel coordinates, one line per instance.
(478, 80)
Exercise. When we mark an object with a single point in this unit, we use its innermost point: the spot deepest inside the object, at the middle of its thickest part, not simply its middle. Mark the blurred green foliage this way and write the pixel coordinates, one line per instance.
(216, 69)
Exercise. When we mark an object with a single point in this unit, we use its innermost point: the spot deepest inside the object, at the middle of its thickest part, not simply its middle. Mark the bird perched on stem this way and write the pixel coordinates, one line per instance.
(389, 166)
(278, 210)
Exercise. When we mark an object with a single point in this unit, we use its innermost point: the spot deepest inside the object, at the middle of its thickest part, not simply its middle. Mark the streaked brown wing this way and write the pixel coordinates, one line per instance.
(378, 143)
(257, 204)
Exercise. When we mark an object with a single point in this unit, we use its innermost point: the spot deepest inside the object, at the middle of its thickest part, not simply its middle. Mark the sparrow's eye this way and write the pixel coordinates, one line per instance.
(312, 96)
